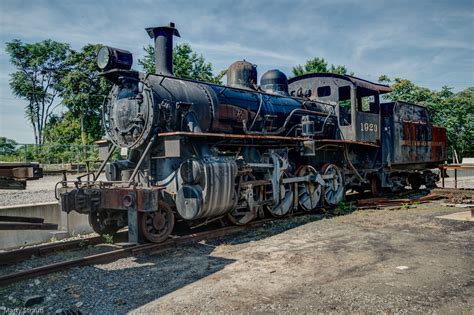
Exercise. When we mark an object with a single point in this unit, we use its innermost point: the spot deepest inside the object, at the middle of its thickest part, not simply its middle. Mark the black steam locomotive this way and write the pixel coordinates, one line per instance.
(199, 152)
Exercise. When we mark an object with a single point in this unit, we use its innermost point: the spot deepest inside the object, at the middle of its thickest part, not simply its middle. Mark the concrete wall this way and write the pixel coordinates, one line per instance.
(68, 224)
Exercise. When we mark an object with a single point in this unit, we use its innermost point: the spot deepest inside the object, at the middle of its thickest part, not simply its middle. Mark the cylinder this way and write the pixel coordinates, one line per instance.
(209, 191)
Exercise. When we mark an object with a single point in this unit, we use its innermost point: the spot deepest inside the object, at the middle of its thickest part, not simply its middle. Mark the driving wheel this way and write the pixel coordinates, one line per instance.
(334, 189)
(309, 192)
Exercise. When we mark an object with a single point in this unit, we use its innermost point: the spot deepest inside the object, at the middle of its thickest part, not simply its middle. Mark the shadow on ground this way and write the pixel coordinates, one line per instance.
(129, 283)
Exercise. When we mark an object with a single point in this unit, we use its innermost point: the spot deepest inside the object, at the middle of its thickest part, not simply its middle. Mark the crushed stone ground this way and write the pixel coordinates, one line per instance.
(345, 264)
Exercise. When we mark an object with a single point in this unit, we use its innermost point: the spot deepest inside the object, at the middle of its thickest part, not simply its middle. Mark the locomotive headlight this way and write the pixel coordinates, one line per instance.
(114, 58)
(103, 57)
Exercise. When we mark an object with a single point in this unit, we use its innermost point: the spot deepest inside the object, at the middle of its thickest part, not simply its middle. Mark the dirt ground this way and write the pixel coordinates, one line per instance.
(343, 264)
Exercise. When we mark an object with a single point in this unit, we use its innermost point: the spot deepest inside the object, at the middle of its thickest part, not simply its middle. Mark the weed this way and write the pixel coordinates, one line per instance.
(108, 239)
(343, 208)
(82, 243)
(53, 239)
(405, 206)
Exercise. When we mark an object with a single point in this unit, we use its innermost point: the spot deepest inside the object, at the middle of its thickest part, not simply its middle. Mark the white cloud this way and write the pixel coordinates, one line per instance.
(424, 41)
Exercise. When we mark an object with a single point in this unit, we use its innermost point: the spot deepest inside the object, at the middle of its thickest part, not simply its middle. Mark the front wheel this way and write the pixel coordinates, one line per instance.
(98, 222)
(156, 226)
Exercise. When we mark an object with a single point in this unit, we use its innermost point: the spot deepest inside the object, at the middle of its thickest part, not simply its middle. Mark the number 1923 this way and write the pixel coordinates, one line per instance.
(368, 127)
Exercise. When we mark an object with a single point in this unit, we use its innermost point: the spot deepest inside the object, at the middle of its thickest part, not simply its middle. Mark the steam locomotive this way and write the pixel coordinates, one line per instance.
(200, 152)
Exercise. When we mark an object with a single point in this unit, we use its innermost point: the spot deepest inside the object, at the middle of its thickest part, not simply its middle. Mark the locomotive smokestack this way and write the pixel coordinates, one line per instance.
(163, 36)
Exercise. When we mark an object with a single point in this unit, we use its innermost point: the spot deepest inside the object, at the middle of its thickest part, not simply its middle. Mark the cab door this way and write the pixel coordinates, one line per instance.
(367, 118)
(361, 121)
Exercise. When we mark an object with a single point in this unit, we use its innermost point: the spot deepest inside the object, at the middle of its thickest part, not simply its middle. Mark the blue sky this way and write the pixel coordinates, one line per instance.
(428, 42)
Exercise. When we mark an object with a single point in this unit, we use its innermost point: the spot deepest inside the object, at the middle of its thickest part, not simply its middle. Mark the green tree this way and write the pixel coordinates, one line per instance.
(40, 69)
(384, 79)
(7, 146)
(318, 65)
(83, 93)
(187, 64)
(63, 129)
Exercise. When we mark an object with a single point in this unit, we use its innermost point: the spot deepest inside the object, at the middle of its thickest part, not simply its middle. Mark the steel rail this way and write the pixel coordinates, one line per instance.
(123, 252)
(19, 255)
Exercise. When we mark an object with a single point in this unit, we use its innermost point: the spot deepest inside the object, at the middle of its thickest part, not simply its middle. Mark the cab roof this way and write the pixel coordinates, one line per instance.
(358, 82)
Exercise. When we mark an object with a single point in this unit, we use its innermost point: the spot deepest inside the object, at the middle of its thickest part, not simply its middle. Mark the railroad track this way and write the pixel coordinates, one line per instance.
(132, 250)
(19, 255)
(127, 251)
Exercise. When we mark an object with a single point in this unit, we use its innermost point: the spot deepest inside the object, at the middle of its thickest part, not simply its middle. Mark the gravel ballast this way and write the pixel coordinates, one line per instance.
(402, 261)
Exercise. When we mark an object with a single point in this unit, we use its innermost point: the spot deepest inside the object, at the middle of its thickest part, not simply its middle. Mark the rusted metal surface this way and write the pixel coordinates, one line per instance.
(399, 201)
(242, 75)
(349, 142)
(411, 137)
(230, 136)
(86, 200)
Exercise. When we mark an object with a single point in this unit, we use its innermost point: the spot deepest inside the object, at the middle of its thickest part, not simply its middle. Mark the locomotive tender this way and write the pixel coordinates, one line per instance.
(199, 152)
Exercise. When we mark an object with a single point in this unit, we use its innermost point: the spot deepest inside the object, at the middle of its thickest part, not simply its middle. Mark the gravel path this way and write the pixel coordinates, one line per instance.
(383, 261)
(37, 191)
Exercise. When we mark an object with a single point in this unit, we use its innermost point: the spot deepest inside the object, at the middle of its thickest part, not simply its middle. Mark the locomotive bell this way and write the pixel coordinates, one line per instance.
(274, 82)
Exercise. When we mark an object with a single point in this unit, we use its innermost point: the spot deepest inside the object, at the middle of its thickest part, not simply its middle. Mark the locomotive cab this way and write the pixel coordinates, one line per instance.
(358, 102)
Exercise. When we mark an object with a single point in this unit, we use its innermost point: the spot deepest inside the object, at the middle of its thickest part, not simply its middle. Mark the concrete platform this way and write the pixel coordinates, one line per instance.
(68, 224)
(458, 216)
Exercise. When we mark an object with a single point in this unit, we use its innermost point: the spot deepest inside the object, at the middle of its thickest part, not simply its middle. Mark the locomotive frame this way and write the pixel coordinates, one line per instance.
(200, 152)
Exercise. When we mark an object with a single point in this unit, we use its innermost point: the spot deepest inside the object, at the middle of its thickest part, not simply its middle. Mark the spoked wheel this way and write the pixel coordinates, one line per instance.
(334, 185)
(242, 216)
(97, 220)
(309, 193)
(285, 202)
(156, 226)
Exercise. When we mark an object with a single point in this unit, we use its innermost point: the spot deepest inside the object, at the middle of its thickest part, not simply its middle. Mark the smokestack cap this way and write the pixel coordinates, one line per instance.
(171, 26)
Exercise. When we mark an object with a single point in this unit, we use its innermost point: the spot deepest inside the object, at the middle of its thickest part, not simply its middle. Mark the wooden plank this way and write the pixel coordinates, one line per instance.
(27, 226)
(7, 218)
